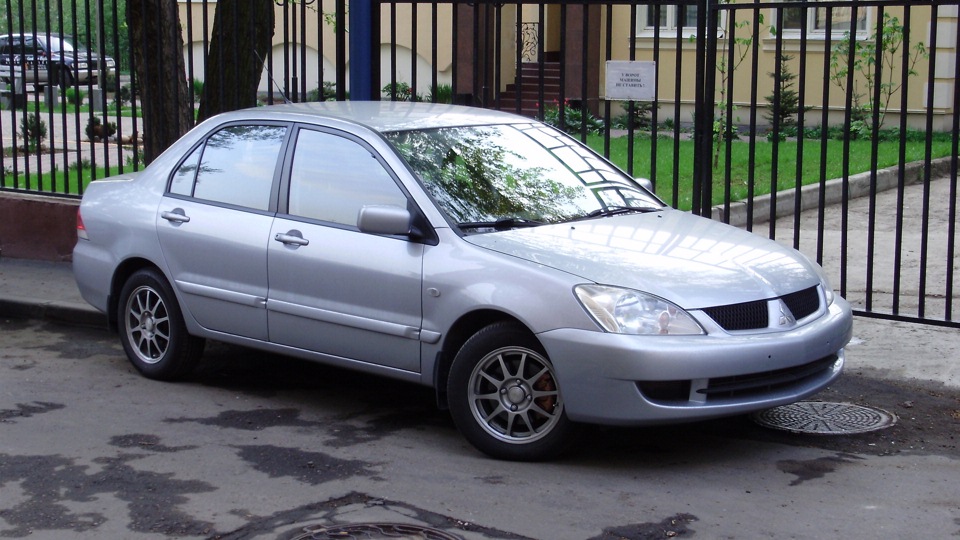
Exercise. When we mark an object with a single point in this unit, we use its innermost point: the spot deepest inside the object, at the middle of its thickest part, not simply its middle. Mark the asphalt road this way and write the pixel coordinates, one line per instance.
(258, 446)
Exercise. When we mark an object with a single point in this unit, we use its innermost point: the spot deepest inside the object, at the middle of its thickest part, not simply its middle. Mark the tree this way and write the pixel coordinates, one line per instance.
(239, 45)
(785, 104)
(157, 48)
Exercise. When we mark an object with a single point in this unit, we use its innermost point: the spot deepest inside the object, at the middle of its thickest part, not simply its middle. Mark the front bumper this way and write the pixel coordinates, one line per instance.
(634, 380)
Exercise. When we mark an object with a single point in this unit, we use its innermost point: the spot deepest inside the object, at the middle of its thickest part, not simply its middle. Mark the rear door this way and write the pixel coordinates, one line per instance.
(214, 224)
(334, 289)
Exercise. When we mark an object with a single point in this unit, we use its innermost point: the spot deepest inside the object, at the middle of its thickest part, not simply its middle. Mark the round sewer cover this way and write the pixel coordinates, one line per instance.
(375, 531)
(825, 418)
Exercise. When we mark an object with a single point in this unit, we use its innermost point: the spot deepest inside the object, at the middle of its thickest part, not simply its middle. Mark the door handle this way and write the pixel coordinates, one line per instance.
(175, 216)
(292, 238)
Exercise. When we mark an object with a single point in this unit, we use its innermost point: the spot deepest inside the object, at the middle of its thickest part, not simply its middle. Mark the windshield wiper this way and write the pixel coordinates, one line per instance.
(617, 210)
(502, 224)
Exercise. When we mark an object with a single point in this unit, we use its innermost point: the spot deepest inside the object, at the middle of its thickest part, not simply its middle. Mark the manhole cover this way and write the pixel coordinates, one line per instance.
(825, 418)
(375, 531)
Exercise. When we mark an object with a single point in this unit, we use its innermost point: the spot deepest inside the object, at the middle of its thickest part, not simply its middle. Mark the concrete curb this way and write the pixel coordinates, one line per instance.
(57, 311)
(858, 185)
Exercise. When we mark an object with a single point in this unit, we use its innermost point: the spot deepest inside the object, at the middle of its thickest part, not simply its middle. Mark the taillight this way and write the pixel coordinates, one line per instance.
(81, 229)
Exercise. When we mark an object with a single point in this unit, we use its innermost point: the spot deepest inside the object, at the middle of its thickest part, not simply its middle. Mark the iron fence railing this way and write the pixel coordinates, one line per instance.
(774, 116)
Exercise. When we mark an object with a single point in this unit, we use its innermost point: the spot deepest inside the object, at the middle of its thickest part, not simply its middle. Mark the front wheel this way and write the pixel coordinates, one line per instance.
(152, 330)
(505, 398)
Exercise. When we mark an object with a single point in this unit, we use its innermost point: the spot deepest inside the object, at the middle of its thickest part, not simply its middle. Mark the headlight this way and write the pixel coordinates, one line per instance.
(81, 65)
(828, 293)
(111, 63)
(625, 311)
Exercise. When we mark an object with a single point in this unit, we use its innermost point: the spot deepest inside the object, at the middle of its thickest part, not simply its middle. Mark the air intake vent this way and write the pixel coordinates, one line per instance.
(746, 316)
(802, 303)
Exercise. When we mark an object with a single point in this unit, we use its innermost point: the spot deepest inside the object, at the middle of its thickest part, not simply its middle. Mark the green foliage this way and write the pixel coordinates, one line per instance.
(573, 118)
(328, 92)
(723, 127)
(857, 60)
(197, 86)
(33, 131)
(785, 106)
(642, 111)
(400, 91)
(82, 165)
(442, 93)
(74, 96)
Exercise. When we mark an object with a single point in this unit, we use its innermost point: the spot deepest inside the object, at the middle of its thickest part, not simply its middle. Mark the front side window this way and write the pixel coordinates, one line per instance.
(234, 166)
(333, 177)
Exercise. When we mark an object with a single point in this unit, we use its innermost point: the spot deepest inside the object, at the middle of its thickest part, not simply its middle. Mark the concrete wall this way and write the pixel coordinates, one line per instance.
(37, 227)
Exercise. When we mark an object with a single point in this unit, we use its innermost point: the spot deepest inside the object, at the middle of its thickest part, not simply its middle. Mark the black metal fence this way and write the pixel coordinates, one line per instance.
(830, 126)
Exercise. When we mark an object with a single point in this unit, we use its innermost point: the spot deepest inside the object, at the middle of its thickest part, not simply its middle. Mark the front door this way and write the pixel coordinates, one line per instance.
(334, 289)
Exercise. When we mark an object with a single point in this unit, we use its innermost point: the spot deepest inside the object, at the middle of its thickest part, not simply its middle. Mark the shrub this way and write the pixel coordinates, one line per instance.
(74, 96)
(33, 130)
(442, 93)
(573, 118)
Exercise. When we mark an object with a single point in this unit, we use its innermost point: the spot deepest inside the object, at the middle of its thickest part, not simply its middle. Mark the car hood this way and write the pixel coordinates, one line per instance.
(691, 261)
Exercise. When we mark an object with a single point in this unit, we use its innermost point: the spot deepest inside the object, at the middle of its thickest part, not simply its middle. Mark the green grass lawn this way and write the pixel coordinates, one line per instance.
(763, 168)
(60, 182)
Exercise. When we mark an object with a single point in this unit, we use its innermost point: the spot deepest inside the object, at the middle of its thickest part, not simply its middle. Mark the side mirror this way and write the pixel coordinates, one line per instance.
(391, 220)
(646, 183)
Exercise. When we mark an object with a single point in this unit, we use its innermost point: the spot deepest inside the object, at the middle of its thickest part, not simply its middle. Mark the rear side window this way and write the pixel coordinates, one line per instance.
(235, 166)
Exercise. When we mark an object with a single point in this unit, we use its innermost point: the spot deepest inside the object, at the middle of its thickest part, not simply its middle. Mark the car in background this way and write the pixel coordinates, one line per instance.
(41, 59)
(526, 279)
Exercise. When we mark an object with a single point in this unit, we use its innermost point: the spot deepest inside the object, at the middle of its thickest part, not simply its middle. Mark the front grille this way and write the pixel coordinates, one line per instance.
(746, 316)
(755, 315)
(740, 386)
(802, 303)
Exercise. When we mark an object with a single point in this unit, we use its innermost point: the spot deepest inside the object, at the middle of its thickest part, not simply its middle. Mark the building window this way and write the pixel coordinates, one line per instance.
(842, 19)
(670, 17)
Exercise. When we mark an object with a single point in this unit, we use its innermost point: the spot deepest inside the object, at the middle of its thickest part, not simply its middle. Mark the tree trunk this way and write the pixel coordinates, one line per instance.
(157, 48)
(239, 45)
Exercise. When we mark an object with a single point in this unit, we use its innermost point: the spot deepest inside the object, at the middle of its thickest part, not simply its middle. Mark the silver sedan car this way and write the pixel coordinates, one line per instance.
(532, 284)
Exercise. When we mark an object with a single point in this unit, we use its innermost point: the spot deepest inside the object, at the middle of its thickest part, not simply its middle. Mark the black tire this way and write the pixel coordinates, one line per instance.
(64, 78)
(504, 396)
(152, 329)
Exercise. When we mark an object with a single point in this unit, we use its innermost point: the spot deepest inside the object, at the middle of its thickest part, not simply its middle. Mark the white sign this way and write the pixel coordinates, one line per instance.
(631, 81)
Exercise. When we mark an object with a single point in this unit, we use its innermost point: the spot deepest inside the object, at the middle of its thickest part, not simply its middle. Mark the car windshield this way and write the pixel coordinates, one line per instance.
(518, 175)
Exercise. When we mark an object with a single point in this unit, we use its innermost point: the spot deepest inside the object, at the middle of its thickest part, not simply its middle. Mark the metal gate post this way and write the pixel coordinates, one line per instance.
(707, 23)
(362, 62)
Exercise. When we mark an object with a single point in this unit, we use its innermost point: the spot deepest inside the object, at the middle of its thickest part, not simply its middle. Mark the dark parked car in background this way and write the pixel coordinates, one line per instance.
(41, 59)
(491, 257)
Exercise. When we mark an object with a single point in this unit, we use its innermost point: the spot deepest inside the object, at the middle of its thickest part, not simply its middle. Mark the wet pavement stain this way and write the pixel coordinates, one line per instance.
(255, 420)
(671, 527)
(146, 442)
(814, 468)
(26, 410)
(53, 486)
(309, 467)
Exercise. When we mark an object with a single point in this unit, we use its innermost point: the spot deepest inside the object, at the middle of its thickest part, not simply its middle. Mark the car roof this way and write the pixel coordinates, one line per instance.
(388, 116)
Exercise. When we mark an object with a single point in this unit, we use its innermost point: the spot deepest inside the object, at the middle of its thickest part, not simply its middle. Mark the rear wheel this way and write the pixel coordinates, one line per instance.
(152, 330)
(505, 398)
(64, 78)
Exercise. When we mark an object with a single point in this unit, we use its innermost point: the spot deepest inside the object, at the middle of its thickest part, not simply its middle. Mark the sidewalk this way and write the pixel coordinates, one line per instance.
(884, 349)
